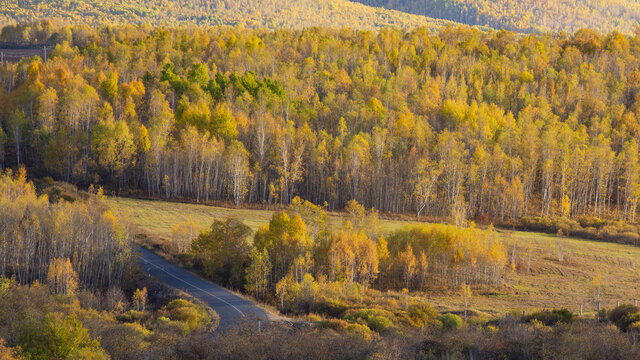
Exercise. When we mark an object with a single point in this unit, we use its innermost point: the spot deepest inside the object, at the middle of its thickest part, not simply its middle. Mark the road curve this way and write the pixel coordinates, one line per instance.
(231, 307)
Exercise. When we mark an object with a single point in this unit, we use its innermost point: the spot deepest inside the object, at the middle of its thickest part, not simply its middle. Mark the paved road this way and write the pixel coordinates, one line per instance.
(228, 305)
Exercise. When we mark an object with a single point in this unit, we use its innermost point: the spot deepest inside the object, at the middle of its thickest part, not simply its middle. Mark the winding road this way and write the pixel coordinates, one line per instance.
(231, 307)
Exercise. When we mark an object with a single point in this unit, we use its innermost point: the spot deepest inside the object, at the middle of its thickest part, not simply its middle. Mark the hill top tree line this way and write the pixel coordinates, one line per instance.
(461, 124)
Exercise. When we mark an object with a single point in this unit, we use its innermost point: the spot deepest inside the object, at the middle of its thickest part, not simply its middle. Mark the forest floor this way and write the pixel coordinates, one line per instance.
(560, 274)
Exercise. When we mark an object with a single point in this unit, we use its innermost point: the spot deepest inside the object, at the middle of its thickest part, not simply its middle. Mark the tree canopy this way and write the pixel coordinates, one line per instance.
(462, 124)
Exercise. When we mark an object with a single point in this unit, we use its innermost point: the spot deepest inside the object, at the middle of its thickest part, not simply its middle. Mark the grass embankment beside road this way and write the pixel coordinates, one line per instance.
(560, 275)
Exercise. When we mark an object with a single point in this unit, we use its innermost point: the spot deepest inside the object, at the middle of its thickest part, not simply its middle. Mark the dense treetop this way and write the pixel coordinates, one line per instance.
(271, 14)
(462, 124)
(527, 15)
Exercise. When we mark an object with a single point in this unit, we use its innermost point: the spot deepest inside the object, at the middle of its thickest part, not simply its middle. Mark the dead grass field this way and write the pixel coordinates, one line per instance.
(550, 283)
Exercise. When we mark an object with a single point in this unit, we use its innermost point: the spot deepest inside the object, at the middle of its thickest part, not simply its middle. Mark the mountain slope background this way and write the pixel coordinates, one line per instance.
(270, 14)
(527, 15)
(517, 15)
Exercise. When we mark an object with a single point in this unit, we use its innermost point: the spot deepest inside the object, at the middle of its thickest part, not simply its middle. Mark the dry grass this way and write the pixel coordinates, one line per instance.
(157, 217)
(550, 283)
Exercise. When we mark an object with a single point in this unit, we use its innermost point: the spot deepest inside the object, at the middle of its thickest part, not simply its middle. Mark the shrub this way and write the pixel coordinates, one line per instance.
(550, 318)
(478, 320)
(133, 316)
(376, 319)
(334, 324)
(624, 316)
(621, 312)
(5, 283)
(626, 323)
(451, 321)
(491, 329)
(58, 337)
(549, 224)
(167, 326)
(379, 323)
(314, 317)
(332, 308)
(359, 329)
(634, 327)
(7, 353)
(584, 227)
(536, 324)
(124, 340)
(183, 310)
(422, 315)
(628, 237)
(593, 222)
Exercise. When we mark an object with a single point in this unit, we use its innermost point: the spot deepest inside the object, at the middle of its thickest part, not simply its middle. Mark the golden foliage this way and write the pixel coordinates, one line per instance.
(61, 277)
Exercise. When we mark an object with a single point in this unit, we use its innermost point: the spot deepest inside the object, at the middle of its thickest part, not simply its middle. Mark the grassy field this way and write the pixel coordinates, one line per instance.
(555, 284)
(157, 218)
(550, 283)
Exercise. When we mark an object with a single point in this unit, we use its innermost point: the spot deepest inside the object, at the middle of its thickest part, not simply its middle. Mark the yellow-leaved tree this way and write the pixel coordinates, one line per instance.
(61, 277)
(407, 263)
(182, 235)
(354, 257)
(140, 299)
(466, 293)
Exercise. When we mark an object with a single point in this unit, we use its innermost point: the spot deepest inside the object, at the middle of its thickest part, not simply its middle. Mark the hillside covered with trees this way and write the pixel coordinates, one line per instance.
(266, 14)
(527, 15)
(463, 124)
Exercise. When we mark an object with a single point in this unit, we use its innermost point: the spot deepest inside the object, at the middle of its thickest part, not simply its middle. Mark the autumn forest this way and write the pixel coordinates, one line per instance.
(461, 125)
(422, 190)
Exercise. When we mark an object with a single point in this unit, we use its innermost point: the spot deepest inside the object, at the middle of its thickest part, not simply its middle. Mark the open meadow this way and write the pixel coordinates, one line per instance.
(560, 273)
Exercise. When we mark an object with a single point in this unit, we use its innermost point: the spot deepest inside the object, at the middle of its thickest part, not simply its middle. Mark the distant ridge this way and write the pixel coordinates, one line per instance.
(269, 14)
(527, 15)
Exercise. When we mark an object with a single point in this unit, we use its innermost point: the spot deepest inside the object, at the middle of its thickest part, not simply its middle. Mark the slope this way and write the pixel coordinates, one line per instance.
(527, 15)
(271, 14)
